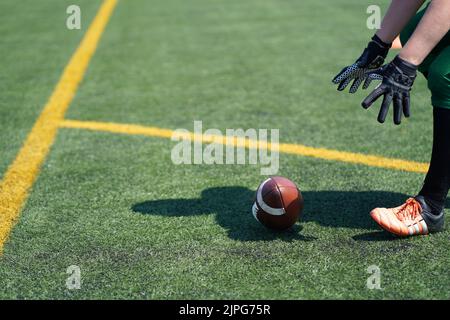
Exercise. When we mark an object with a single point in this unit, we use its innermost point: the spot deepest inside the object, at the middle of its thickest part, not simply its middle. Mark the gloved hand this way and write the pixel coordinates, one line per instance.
(371, 59)
(398, 78)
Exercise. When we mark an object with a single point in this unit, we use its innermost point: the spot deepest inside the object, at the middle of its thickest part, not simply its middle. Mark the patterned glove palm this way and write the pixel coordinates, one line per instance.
(398, 78)
(371, 59)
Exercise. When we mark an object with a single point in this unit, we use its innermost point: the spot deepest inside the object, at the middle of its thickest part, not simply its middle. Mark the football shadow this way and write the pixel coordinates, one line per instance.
(232, 209)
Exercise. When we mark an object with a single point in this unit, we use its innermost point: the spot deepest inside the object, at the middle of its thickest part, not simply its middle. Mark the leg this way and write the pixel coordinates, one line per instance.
(437, 181)
(424, 213)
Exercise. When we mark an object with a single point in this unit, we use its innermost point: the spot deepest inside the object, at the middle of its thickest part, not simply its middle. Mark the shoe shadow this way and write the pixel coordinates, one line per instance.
(376, 236)
(232, 209)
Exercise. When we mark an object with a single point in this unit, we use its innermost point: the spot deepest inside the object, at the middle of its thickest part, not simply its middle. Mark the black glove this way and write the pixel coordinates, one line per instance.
(371, 59)
(398, 77)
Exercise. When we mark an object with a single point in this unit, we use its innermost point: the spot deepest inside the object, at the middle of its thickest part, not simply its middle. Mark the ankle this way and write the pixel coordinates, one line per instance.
(436, 204)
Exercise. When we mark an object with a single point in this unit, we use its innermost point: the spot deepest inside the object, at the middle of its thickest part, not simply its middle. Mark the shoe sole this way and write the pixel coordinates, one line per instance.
(400, 235)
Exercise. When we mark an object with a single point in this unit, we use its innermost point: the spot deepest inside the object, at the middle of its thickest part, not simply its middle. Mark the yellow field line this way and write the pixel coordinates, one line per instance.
(22, 173)
(297, 149)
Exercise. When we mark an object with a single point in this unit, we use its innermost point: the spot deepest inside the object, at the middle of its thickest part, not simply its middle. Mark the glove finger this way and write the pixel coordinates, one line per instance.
(406, 105)
(356, 84)
(397, 109)
(344, 84)
(374, 75)
(345, 73)
(385, 107)
(341, 75)
(367, 83)
(373, 96)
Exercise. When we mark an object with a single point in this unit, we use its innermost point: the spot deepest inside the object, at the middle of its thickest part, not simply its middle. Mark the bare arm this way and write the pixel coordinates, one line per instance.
(396, 18)
(432, 28)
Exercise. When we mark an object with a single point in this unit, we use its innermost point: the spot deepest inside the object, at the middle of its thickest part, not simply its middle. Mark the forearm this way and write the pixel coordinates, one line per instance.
(432, 28)
(396, 18)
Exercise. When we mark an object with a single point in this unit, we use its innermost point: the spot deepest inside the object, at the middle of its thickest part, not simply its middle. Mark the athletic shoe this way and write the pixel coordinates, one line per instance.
(414, 217)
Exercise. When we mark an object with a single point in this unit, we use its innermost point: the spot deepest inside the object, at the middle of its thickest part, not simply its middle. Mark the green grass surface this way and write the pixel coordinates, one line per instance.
(141, 227)
(36, 46)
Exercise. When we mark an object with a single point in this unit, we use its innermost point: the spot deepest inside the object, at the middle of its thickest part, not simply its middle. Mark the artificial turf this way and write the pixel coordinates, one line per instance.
(141, 227)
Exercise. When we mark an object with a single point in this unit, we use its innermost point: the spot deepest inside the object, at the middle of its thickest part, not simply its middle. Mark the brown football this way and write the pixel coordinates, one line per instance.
(278, 204)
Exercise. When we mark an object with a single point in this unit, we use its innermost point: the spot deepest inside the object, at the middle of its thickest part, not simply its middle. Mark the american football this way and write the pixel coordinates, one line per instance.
(278, 203)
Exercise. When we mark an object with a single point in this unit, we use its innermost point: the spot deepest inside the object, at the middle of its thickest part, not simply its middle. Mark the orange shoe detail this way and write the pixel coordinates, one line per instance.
(404, 220)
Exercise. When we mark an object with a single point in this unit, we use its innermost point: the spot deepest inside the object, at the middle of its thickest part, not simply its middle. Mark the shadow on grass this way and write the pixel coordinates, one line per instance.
(232, 208)
(376, 236)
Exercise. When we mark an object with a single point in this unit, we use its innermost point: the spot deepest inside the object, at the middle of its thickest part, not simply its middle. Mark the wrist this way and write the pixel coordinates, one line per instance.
(410, 58)
(381, 42)
(405, 66)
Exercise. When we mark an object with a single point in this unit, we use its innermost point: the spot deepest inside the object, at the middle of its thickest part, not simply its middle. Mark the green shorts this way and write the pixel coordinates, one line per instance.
(436, 67)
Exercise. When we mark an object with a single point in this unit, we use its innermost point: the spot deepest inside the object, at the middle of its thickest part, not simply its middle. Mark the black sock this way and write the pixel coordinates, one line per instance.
(437, 181)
